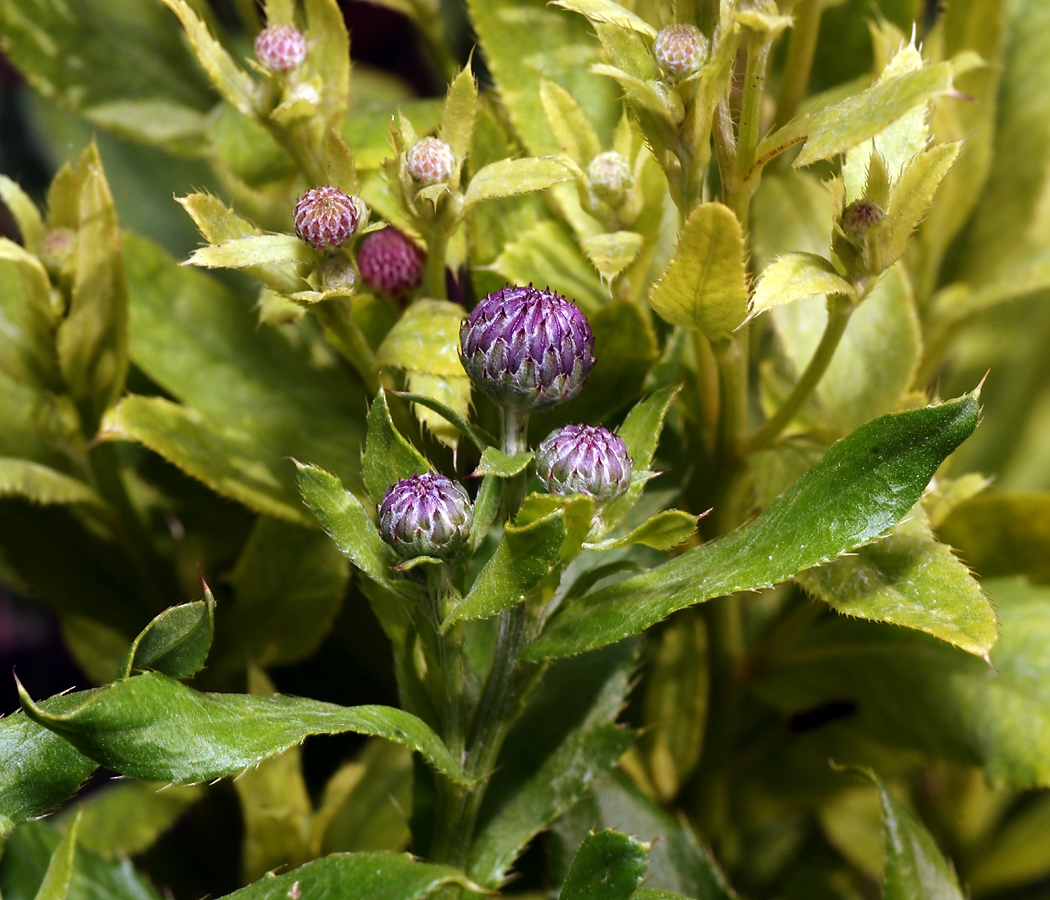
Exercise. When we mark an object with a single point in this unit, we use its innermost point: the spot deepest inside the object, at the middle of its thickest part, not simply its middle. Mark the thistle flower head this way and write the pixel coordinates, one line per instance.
(280, 48)
(526, 348)
(390, 262)
(426, 515)
(609, 175)
(582, 459)
(326, 217)
(431, 161)
(680, 49)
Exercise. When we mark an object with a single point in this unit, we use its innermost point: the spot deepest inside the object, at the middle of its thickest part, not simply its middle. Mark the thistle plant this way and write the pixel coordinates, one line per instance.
(579, 436)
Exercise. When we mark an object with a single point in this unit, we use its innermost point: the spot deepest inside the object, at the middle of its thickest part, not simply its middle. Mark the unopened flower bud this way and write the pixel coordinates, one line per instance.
(581, 459)
(280, 48)
(426, 515)
(56, 250)
(680, 49)
(337, 274)
(858, 219)
(609, 175)
(431, 161)
(390, 262)
(326, 217)
(526, 348)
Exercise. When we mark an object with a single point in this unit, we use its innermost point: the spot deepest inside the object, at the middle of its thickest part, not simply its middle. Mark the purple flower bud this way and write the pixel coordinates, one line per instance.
(526, 348)
(280, 48)
(390, 262)
(581, 459)
(858, 219)
(326, 217)
(426, 515)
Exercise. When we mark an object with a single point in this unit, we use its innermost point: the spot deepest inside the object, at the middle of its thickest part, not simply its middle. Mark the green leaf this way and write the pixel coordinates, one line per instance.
(155, 727)
(344, 519)
(424, 343)
(958, 302)
(478, 437)
(607, 12)
(524, 556)
(915, 868)
(42, 484)
(571, 127)
(958, 707)
(836, 128)
(607, 865)
(565, 739)
(175, 643)
(496, 462)
(864, 484)
(23, 210)
(509, 177)
(663, 531)
(1002, 533)
(233, 83)
(1017, 853)
(457, 119)
(612, 253)
(705, 286)
(795, 276)
(289, 584)
(59, 874)
(27, 320)
(329, 58)
(356, 876)
(388, 457)
(909, 578)
(263, 249)
(92, 340)
(38, 769)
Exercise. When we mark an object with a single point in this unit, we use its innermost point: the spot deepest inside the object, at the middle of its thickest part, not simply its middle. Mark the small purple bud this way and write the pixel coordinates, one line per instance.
(858, 219)
(326, 217)
(281, 48)
(526, 348)
(426, 515)
(581, 459)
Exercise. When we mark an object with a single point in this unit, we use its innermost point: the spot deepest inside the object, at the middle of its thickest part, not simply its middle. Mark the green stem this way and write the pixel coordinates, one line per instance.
(732, 358)
(514, 424)
(840, 308)
(748, 127)
(437, 238)
(708, 396)
(799, 59)
(337, 320)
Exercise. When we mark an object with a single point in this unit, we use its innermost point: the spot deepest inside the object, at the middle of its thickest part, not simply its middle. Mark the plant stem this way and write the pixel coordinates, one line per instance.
(748, 127)
(336, 319)
(437, 237)
(732, 358)
(799, 59)
(514, 425)
(840, 308)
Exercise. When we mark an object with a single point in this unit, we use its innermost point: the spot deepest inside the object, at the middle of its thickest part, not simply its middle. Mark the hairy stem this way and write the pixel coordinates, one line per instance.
(799, 59)
(336, 319)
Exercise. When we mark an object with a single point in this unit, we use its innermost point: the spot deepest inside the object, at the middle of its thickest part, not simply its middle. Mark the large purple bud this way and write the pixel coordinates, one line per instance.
(583, 459)
(526, 348)
(426, 515)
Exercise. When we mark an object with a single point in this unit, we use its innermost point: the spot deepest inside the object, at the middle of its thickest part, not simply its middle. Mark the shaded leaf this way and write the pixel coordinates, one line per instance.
(663, 531)
(23, 210)
(864, 484)
(154, 727)
(607, 864)
(388, 457)
(175, 643)
(42, 484)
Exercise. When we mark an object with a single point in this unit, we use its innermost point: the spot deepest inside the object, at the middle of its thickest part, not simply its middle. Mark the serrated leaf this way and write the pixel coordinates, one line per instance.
(509, 177)
(329, 57)
(457, 119)
(38, 769)
(388, 457)
(795, 276)
(23, 210)
(864, 484)
(705, 287)
(27, 320)
(909, 578)
(607, 12)
(565, 739)
(356, 876)
(263, 249)
(607, 864)
(837, 128)
(478, 437)
(59, 873)
(651, 100)
(663, 531)
(958, 707)
(612, 253)
(424, 343)
(155, 727)
(233, 83)
(915, 868)
(571, 127)
(524, 556)
(92, 340)
(41, 484)
(344, 519)
(495, 462)
(175, 643)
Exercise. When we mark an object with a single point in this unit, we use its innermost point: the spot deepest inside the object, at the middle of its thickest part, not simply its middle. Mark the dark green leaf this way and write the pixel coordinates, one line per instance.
(863, 485)
(154, 727)
(478, 437)
(564, 740)
(607, 865)
(388, 457)
(176, 642)
(496, 462)
(38, 769)
(59, 874)
(355, 876)
(914, 691)
(41, 484)
(663, 531)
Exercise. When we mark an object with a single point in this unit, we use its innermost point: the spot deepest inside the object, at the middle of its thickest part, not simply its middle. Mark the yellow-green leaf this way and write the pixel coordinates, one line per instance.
(606, 12)
(614, 252)
(42, 484)
(571, 127)
(257, 250)
(508, 177)
(24, 211)
(795, 276)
